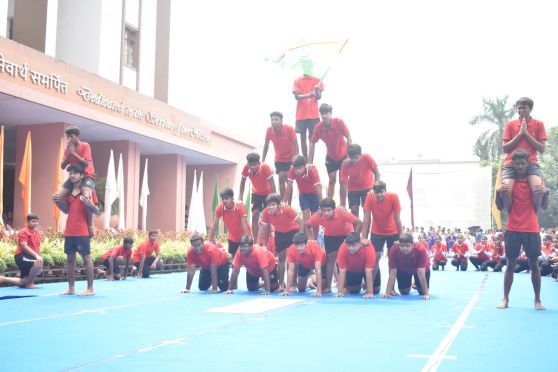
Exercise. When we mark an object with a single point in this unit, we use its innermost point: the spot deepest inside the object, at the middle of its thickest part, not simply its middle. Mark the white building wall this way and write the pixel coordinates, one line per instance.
(110, 39)
(450, 194)
(148, 35)
(78, 33)
(4, 13)
(51, 28)
(132, 13)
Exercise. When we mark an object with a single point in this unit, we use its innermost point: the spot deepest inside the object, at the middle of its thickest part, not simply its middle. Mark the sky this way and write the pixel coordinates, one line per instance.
(411, 77)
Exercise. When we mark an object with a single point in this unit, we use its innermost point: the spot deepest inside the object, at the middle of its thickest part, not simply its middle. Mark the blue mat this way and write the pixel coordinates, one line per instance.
(147, 324)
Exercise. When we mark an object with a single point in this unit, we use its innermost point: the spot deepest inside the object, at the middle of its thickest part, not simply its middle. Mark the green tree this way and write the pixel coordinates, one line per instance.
(549, 167)
(496, 113)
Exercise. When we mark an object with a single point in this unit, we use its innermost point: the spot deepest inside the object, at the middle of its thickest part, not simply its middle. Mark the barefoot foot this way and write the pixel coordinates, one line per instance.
(539, 306)
(88, 292)
(503, 305)
(68, 292)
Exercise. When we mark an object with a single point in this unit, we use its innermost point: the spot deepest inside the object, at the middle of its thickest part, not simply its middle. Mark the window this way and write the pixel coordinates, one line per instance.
(10, 28)
(130, 47)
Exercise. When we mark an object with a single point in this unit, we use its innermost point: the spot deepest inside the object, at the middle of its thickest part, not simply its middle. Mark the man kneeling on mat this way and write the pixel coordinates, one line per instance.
(213, 263)
(305, 255)
(259, 263)
(115, 257)
(405, 260)
(356, 260)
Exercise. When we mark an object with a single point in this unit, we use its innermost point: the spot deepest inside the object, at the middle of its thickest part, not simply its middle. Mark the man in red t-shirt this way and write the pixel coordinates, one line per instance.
(383, 209)
(79, 153)
(259, 263)
(286, 222)
(27, 255)
(262, 185)
(337, 224)
(143, 259)
(307, 91)
(234, 216)
(356, 259)
(522, 230)
(116, 256)
(213, 263)
(438, 253)
(285, 145)
(406, 260)
(358, 174)
(309, 186)
(527, 134)
(460, 253)
(336, 137)
(76, 235)
(480, 255)
(303, 256)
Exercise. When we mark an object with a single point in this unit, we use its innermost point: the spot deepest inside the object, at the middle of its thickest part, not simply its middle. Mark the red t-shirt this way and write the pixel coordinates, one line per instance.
(233, 220)
(417, 259)
(482, 255)
(283, 221)
(365, 258)
(307, 108)
(258, 260)
(383, 218)
(210, 255)
(260, 183)
(84, 151)
(547, 249)
(308, 260)
(340, 224)
(497, 252)
(333, 137)
(145, 248)
(360, 175)
(535, 127)
(438, 251)
(31, 237)
(283, 142)
(522, 216)
(116, 252)
(307, 181)
(460, 250)
(76, 223)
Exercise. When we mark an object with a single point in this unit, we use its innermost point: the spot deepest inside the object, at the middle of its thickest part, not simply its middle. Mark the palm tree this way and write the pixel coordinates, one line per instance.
(489, 144)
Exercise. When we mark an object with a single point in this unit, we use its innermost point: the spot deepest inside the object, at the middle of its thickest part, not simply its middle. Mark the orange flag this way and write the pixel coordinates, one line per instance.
(58, 180)
(2, 175)
(25, 177)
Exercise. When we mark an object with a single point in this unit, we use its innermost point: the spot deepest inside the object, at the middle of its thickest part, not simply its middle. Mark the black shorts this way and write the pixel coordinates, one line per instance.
(332, 243)
(283, 240)
(309, 201)
(508, 172)
(357, 197)
(282, 166)
(222, 278)
(302, 271)
(85, 181)
(404, 280)
(258, 202)
(147, 266)
(333, 165)
(253, 281)
(81, 244)
(233, 247)
(115, 265)
(24, 263)
(531, 242)
(353, 279)
(302, 125)
(378, 241)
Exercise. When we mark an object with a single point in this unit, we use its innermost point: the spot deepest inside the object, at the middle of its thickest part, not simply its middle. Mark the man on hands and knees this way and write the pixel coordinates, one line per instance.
(143, 258)
(305, 255)
(407, 260)
(522, 229)
(337, 223)
(76, 235)
(114, 257)
(213, 263)
(27, 255)
(356, 260)
(259, 263)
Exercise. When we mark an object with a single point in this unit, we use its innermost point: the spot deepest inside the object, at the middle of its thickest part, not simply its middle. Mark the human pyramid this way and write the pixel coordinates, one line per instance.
(279, 241)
